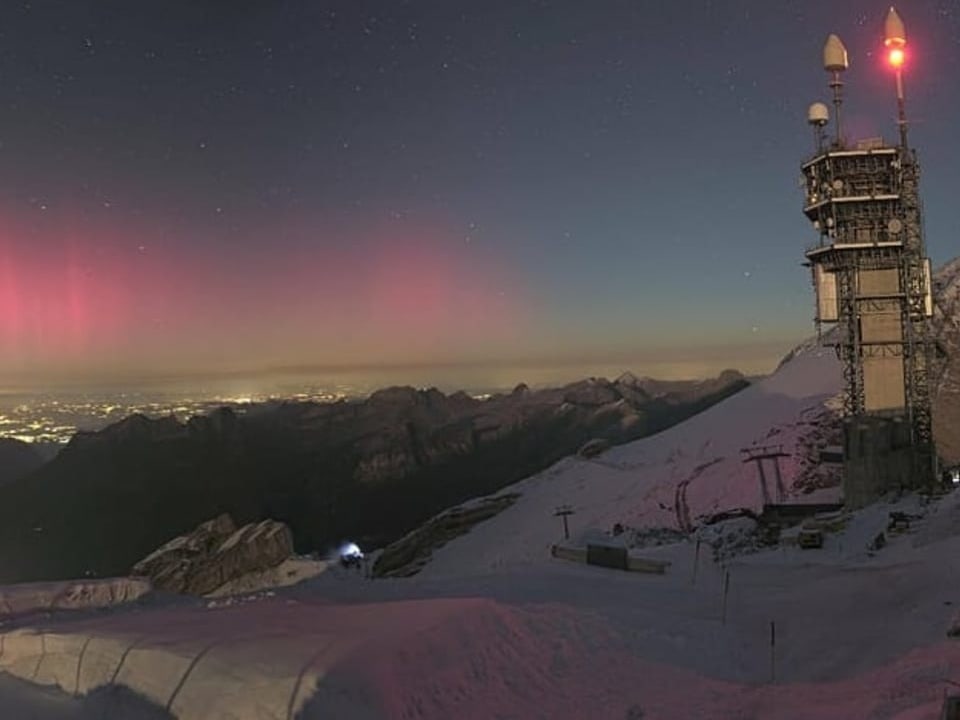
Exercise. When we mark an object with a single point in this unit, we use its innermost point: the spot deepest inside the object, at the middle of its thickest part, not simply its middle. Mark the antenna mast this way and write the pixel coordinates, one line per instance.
(895, 40)
(835, 62)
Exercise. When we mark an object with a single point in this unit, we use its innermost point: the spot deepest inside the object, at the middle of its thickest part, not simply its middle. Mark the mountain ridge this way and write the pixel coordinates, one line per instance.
(370, 470)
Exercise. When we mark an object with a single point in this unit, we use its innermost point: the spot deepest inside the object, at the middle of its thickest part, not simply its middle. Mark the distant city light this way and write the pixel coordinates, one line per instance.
(56, 420)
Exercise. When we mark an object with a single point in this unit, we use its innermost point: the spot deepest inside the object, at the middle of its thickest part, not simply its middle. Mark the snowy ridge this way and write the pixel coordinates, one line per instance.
(637, 484)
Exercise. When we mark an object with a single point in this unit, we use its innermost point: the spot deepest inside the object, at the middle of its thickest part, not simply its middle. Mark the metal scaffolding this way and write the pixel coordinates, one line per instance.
(872, 279)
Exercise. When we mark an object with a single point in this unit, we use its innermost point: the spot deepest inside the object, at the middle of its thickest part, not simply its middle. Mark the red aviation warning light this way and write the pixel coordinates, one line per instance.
(895, 57)
(895, 39)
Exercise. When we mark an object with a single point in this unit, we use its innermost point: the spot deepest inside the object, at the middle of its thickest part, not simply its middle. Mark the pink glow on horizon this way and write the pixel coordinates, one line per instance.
(10, 309)
(66, 295)
(422, 291)
(89, 298)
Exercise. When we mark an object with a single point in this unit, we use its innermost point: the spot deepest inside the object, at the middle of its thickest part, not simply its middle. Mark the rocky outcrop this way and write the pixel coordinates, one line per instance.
(680, 391)
(183, 550)
(408, 555)
(215, 554)
(593, 448)
(819, 429)
(290, 572)
(592, 393)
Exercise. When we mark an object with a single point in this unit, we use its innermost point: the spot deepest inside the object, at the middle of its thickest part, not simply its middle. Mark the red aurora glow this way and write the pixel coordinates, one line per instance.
(103, 300)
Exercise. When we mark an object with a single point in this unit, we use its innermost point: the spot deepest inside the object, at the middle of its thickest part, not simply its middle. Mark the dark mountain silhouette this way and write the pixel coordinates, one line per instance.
(17, 459)
(369, 470)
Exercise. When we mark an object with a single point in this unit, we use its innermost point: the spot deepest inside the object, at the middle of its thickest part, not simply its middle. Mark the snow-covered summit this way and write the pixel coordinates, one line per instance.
(669, 479)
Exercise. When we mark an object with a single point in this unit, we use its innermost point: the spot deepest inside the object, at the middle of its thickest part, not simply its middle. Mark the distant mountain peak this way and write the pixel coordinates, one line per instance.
(520, 389)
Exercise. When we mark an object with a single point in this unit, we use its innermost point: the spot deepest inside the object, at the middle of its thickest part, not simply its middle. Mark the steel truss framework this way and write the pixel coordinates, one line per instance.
(865, 204)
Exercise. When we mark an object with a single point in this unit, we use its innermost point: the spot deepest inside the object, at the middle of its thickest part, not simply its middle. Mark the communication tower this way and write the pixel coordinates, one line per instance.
(873, 288)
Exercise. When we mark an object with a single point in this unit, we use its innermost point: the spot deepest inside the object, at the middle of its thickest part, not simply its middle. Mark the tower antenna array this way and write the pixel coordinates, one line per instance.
(873, 286)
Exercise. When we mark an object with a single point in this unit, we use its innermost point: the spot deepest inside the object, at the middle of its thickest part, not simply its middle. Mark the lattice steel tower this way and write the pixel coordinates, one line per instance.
(873, 283)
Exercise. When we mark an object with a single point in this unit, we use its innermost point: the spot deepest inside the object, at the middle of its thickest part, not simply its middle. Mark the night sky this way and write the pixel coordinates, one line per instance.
(204, 186)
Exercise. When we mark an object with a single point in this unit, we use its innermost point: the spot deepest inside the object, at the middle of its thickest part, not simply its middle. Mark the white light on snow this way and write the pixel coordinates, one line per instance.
(350, 550)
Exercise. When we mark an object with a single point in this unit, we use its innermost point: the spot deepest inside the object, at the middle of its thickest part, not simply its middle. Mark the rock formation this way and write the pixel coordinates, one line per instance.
(409, 554)
(214, 554)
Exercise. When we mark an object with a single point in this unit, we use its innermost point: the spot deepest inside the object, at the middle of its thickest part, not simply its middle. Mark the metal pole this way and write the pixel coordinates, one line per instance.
(566, 530)
(781, 490)
(763, 482)
(773, 653)
(837, 85)
(726, 590)
(901, 111)
(696, 562)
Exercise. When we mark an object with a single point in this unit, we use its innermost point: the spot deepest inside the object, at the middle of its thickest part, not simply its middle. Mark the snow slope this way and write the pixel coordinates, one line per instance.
(562, 641)
(496, 628)
(636, 484)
